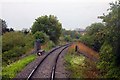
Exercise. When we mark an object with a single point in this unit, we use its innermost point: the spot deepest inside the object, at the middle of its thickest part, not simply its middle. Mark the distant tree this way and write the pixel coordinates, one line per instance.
(67, 38)
(72, 33)
(11, 29)
(4, 26)
(94, 28)
(25, 31)
(49, 25)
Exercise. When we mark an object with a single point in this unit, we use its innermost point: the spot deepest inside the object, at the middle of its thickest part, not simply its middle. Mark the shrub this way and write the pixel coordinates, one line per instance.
(42, 36)
(15, 44)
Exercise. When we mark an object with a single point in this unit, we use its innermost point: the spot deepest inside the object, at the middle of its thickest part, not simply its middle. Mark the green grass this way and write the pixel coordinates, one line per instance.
(75, 64)
(11, 70)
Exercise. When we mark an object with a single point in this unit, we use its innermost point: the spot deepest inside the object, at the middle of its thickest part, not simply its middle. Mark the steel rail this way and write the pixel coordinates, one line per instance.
(54, 67)
(36, 67)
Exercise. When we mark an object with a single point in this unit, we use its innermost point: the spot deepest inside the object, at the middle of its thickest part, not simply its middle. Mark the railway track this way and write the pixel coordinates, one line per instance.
(47, 66)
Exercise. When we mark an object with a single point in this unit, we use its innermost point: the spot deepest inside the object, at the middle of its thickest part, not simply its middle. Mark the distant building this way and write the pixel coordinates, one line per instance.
(81, 31)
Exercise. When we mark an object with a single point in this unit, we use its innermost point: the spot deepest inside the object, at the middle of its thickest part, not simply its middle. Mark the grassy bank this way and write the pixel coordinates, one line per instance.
(80, 66)
(11, 70)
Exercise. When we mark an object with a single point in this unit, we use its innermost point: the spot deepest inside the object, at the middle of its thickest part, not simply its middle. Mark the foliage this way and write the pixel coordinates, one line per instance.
(3, 25)
(79, 66)
(87, 40)
(94, 28)
(11, 70)
(94, 36)
(110, 57)
(42, 36)
(15, 44)
(67, 38)
(48, 45)
(106, 50)
(49, 25)
(72, 34)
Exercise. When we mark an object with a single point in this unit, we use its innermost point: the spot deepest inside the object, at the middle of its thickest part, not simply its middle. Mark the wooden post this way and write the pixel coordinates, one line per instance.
(76, 48)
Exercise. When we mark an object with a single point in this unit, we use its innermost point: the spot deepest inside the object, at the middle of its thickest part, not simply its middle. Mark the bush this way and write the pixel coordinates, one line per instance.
(67, 38)
(87, 40)
(48, 45)
(11, 39)
(15, 44)
(42, 36)
(107, 62)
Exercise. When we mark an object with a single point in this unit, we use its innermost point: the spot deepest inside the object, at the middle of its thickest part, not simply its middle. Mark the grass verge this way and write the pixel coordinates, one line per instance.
(11, 70)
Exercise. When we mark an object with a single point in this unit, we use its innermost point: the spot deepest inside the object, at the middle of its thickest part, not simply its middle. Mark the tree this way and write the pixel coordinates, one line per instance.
(94, 36)
(94, 28)
(72, 33)
(49, 25)
(4, 26)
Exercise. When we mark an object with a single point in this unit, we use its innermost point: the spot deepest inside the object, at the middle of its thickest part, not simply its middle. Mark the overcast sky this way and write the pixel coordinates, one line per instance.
(72, 14)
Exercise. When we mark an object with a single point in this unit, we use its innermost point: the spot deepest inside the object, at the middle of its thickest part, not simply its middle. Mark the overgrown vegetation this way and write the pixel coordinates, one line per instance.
(42, 36)
(105, 38)
(48, 45)
(11, 70)
(93, 37)
(14, 45)
(79, 66)
(75, 64)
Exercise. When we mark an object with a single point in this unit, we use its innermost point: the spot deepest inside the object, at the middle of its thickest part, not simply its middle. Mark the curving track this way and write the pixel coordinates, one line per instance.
(47, 65)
